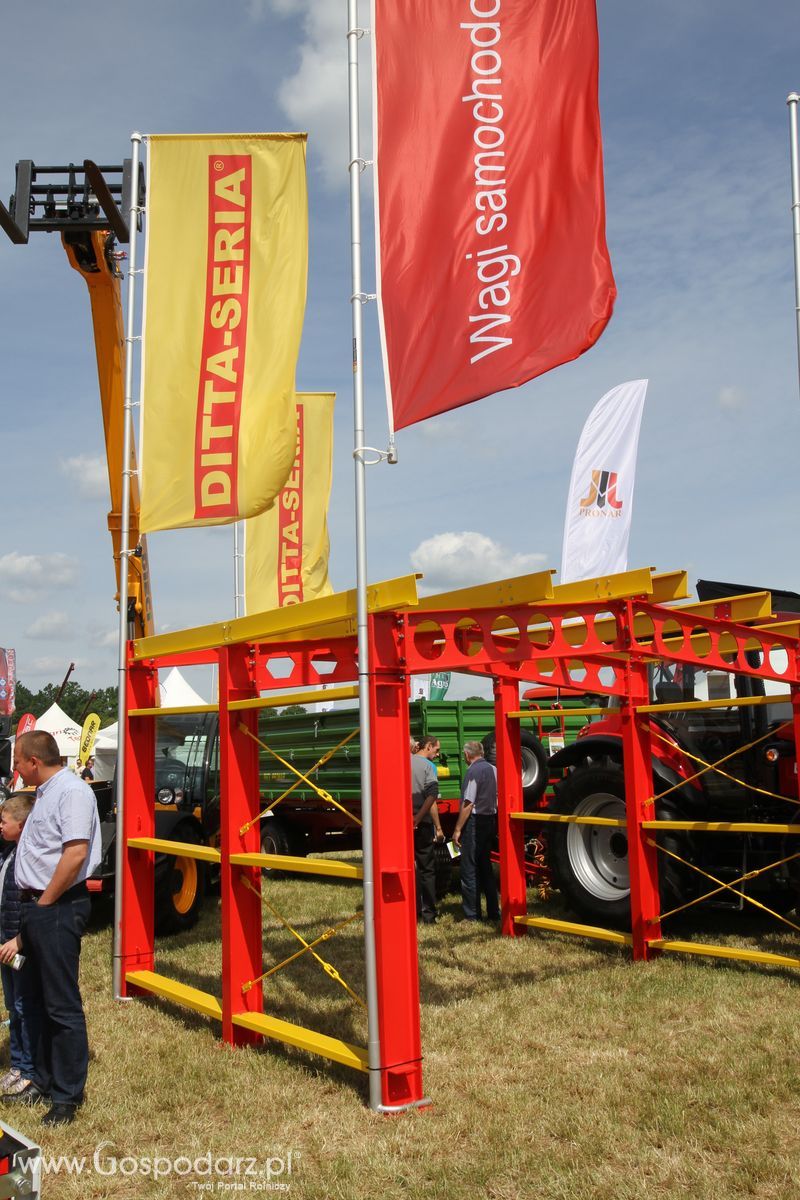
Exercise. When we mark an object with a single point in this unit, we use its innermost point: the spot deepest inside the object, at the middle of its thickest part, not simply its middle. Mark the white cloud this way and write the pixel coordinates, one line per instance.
(732, 399)
(47, 665)
(109, 638)
(26, 576)
(89, 473)
(51, 625)
(314, 97)
(455, 560)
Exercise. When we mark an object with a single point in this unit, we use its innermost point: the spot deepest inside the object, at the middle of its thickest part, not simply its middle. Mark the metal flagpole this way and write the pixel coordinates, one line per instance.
(354, 34)
(237, 571)
(793, 99)
(124, 556)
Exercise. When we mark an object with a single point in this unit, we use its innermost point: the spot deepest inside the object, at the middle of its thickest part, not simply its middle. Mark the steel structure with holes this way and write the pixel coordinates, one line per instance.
(596, 636)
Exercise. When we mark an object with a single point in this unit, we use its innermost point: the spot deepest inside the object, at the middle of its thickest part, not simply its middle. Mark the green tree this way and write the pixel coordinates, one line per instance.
(76, 701)
(293, 710)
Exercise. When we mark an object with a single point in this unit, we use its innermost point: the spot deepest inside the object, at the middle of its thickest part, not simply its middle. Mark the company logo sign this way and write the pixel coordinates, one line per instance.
(601, 499)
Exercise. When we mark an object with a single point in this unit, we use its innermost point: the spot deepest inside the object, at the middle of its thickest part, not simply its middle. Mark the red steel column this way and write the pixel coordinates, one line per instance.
(511, 834)
(642, 857)
(393, 864)
(138, 881)
(239, 803)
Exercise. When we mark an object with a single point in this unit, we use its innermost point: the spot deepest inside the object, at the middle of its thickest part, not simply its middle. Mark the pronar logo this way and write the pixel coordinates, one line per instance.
(601, 499)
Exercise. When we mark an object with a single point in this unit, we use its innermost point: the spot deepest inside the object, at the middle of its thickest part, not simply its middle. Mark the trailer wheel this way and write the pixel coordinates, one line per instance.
(534, 763)
(275, 837)
(179, 886)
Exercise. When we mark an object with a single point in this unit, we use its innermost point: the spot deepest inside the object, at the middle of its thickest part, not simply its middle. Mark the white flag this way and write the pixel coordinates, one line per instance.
(598, 522)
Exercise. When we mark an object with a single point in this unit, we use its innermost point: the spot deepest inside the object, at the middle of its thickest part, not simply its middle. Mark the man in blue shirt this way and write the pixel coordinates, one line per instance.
(475, 833)
(58, 849)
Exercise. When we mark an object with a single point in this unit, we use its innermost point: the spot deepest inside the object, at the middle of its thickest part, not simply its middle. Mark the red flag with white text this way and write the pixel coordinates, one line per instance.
(492, 259)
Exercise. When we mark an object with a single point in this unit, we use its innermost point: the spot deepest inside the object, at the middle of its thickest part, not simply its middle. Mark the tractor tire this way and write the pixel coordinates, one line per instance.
(179, 886)
(534, 763)
(589, 863)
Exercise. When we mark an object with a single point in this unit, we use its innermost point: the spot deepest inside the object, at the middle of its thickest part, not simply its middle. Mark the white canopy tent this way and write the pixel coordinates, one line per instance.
(174, 692)
(66, 731)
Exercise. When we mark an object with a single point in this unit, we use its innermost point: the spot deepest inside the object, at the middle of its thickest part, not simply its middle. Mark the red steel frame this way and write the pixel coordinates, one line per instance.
(510, 644)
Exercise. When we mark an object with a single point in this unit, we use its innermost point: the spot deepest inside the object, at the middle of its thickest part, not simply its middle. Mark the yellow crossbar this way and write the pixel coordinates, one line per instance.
(589, 931)
(173, 712)
(281, 622)
(179, 849)
(569, 819)
(523, 589)
(722, 826)
(179, 993)
(305, 866)
(732, 702)
(732, 952)
(638, 582)
(304, 1039)
(342, 693)
(539, 713)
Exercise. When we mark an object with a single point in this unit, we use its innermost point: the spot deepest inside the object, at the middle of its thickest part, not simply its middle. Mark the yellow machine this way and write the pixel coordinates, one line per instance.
(86, 206)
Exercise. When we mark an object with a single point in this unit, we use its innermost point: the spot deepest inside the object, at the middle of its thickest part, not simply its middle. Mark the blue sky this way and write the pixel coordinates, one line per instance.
(697, 186)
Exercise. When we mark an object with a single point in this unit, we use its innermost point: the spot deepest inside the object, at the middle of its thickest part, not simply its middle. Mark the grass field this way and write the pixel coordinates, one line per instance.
(557, 1069)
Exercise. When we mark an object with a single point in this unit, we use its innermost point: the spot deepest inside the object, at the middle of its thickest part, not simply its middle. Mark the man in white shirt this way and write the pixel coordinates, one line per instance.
(58, 849)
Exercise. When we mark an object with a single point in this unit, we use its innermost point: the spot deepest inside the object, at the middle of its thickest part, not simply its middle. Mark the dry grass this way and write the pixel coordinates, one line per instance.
(558, 1069)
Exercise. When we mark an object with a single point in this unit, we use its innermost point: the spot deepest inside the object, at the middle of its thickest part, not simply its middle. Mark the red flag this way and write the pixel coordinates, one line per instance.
(492, 259)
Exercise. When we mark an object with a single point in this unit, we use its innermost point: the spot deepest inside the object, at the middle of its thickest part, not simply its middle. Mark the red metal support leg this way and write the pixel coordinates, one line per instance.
(395, 888)
(511, 834)
(138, 879)
(240, 886)
(642, 857)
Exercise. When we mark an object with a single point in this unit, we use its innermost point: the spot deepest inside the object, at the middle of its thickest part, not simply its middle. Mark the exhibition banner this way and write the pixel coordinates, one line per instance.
(286, 548)
(490, 211)
(225, 288)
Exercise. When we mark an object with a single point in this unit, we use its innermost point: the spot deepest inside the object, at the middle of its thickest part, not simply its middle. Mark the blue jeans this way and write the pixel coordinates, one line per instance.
(23, 1017)
(477, 875)
(51, 938)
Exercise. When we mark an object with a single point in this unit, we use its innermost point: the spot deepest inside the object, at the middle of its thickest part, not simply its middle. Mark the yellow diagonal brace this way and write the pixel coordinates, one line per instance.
(715, 767)
(308, 947)
(301, 778)
(726, 886)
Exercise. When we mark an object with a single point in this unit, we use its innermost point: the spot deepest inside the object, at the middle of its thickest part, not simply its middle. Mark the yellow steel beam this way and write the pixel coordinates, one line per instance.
(606, 587)
(179, 993)
(304, 1039)
(722, 826)
(304, 866)
(342, 693)
(537, 714)
(731, 952)
(522, 589)
(569, 819)
(589, 931)
(281, 623)
(173, 712)
(733, 702)
(179, 849)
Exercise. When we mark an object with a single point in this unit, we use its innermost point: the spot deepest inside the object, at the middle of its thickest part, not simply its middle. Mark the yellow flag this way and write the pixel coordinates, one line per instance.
(286, 548)
(225, 289)
(88, 734)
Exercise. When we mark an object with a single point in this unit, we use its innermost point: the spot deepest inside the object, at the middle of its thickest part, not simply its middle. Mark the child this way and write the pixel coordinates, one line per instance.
(23, 1009)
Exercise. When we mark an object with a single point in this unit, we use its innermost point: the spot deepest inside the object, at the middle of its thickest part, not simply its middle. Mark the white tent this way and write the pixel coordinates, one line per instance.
(66, 731)
(174, 692)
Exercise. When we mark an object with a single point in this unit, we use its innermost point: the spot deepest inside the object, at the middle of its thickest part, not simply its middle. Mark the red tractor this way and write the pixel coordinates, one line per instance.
(589, 863)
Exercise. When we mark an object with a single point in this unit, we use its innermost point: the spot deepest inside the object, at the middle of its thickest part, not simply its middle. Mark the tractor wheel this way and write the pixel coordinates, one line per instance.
(179, 886)
(534, 763)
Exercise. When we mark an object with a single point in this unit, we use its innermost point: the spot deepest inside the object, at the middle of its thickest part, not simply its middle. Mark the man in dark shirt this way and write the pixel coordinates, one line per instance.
(475, 833)
(427, 827)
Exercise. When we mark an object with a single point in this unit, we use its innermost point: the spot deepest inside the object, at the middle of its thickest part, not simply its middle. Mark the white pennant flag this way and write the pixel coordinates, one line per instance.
(598, 522)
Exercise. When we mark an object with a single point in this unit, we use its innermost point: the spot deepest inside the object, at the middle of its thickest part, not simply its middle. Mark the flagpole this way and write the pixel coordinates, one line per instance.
(793, 99)
(237, 573)
(354, 33)
(124, 563)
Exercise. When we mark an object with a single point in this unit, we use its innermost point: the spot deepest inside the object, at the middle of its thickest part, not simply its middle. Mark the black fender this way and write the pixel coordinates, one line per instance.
(168, 821)
(664, 777)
